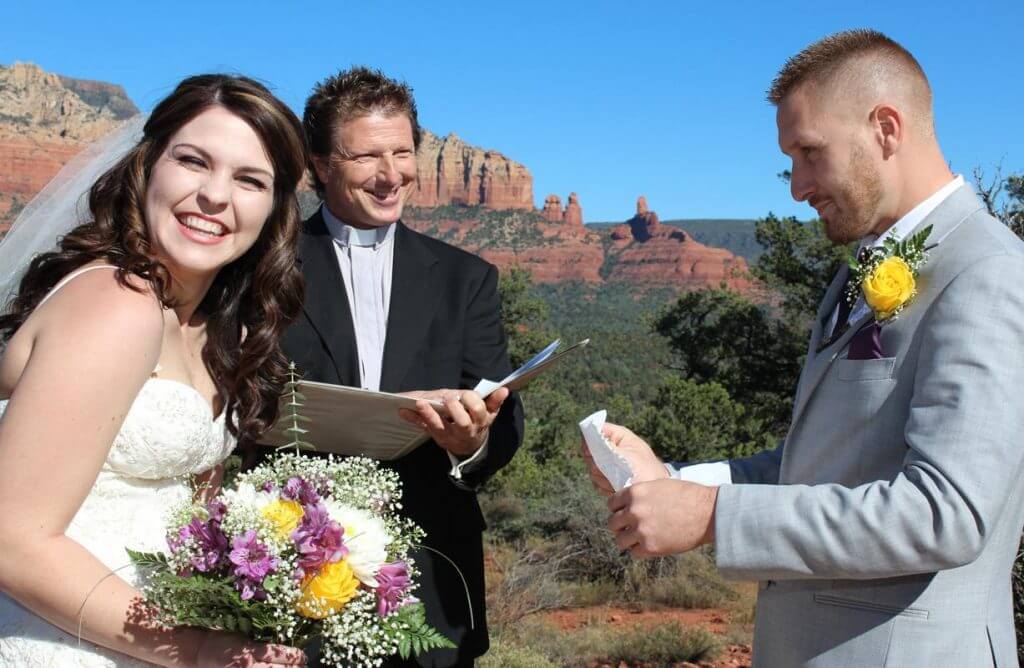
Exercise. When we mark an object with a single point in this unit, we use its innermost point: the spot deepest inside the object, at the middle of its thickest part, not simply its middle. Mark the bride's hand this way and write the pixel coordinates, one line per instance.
(645, 464)
(220, 650)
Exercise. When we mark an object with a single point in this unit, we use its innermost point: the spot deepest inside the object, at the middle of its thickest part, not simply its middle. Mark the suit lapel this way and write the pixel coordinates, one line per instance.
(411, 310)
(823, 319)
(326, 303)
(814, 366)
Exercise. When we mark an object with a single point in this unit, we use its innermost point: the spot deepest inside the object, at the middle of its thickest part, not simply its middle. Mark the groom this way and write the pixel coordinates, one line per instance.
(393, 310)
(884, 527)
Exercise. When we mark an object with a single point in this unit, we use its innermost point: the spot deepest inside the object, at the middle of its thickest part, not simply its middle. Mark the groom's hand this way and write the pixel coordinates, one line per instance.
(463, 426)
(663, 517)
(645, 464)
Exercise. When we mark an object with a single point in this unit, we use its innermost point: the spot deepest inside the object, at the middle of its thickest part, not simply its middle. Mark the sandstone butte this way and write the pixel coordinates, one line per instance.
(651, 254)
(454, 172)
(485, 199)
(45, 119)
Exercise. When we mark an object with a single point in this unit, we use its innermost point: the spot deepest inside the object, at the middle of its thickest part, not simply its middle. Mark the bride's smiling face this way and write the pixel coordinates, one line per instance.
(209, 194)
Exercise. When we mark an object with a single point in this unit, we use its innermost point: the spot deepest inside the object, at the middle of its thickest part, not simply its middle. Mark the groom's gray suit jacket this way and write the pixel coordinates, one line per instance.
(884, 528)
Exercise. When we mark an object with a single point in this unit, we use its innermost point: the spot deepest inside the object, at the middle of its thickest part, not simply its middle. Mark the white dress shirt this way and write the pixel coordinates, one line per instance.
(366, 259)
(719, 473)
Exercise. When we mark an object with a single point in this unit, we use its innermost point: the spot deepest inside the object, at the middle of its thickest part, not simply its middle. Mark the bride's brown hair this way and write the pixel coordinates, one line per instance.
(260, 293)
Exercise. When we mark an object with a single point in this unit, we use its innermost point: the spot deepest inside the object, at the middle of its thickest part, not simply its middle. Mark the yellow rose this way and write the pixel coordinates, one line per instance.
(284, 515)
(889, 287)
(328, 591)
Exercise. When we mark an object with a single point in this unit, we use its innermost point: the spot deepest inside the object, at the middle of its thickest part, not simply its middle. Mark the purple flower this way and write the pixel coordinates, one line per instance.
(392, 584)
(207, 537)
(217, 509)
(318, 540)
(268, 486)
(253, 562)
(301, 490)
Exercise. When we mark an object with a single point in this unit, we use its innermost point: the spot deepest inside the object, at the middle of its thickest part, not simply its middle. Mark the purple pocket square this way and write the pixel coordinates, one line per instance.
(867, 343)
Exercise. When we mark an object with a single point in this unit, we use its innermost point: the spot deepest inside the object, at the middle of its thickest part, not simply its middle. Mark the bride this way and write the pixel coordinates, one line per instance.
(137, 354)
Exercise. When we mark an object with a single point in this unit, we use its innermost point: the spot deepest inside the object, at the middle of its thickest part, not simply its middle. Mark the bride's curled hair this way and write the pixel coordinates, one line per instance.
(252, 300)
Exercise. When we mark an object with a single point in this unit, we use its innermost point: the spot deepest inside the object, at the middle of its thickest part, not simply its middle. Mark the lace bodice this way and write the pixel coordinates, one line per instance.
(169, 432)
(168, 435)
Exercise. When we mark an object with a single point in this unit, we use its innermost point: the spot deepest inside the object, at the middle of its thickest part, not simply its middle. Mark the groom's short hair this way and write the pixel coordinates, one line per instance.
(834, 59)
(347, 95)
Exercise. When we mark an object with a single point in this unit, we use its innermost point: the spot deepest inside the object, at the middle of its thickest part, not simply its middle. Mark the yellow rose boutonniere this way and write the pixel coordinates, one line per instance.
(887, 276)
(888, 287)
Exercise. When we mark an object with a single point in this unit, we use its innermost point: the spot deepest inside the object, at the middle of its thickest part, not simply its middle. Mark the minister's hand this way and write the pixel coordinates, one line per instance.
(464, 428)
(645, 464)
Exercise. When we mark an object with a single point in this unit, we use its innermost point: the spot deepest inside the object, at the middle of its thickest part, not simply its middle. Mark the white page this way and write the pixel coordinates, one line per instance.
(612, 464)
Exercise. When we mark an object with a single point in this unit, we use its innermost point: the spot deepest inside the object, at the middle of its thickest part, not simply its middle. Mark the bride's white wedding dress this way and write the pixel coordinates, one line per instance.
(168, 435)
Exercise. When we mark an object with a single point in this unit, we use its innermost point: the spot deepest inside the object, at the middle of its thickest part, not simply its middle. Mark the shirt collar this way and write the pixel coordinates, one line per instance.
(913, 218)
(345, 235)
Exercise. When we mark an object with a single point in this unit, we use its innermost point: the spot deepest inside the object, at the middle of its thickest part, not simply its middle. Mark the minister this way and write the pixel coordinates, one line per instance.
(393, 310)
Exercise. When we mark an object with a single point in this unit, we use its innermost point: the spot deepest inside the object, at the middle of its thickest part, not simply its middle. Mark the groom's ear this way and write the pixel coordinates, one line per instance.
(889, 126)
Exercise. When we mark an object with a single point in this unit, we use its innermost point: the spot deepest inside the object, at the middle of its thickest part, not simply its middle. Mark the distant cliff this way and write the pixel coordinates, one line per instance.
(45, 119)
(454, 172)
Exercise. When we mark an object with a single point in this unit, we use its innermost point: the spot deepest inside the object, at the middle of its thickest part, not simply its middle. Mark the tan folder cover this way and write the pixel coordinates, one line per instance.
(353, 421)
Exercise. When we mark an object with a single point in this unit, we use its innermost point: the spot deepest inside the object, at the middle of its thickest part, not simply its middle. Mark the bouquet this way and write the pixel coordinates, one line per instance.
(296, 549)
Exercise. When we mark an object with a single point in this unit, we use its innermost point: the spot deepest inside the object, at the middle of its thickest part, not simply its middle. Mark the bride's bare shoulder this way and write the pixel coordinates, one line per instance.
(96, 302)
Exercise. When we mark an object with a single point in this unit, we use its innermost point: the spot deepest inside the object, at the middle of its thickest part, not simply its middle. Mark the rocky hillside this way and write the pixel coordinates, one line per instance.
(45, 119)
(475, 198)
(454, 172)
(645, 252)
(557, 247)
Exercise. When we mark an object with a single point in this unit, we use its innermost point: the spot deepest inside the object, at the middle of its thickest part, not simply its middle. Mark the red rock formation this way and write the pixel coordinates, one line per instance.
(454, 172)
(552, 210)
(44, 122)
(647, 253)
(25, 167)
(553, 213)
(559, 264)
(552, 251)
(573, 211)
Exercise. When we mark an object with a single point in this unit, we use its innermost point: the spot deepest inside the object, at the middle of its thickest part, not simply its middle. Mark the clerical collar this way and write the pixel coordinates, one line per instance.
(346, 235)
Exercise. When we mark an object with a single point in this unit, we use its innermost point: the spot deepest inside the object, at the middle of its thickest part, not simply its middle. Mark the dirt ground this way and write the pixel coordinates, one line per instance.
(714, 620)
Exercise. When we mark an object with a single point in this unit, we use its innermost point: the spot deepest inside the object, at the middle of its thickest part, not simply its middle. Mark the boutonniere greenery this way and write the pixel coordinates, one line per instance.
(887, 275)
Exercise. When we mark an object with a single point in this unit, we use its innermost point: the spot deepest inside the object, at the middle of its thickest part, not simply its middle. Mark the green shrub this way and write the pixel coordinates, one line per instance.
(508, 655)
(694, 584)
(661, 645)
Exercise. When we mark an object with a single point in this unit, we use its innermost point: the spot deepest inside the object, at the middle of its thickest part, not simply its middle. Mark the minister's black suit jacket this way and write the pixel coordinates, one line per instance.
(444, 331)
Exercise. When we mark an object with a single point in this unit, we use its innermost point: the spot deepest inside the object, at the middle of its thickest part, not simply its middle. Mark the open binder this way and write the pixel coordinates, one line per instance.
(353, 421)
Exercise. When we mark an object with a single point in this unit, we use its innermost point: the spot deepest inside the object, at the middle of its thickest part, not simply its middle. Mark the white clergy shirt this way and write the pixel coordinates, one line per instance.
(719, 473)
(366, 259)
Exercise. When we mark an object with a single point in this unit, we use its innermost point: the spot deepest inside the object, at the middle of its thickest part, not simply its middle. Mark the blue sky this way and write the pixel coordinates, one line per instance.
(610, 100)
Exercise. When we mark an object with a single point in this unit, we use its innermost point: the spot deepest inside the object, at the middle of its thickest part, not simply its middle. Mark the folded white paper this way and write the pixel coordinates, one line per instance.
(612, 464)
(522, 376)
